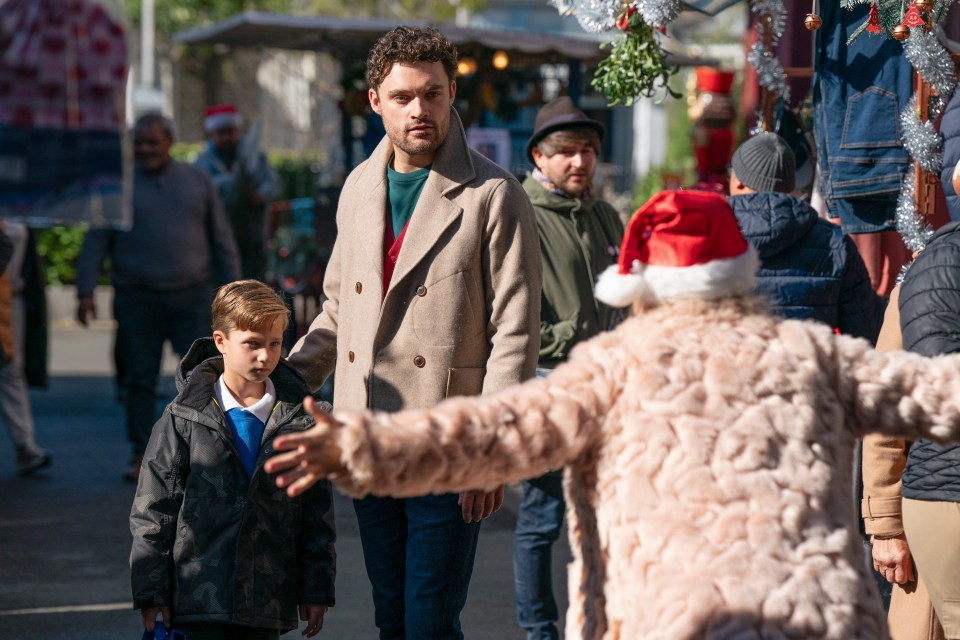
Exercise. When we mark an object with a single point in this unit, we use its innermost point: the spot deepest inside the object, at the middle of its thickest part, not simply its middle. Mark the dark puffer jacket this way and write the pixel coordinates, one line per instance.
(930, 322)
(211, 544)
(808, 268)
(950, 130)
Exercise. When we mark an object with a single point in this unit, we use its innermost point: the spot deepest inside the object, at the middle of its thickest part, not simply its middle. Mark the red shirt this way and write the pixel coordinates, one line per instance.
(391, 251)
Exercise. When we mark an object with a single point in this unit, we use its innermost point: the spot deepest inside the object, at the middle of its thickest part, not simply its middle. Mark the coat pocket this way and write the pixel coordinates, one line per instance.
(445, 313)
(465, 381)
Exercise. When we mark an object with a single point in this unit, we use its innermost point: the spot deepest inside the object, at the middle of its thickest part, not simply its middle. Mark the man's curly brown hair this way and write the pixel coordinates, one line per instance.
(408, 45)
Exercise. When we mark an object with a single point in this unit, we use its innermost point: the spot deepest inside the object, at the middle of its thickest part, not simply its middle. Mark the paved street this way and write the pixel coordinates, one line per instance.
(64, 537)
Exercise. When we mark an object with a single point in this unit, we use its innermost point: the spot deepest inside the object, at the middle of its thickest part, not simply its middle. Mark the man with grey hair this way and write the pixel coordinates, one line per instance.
(164, 269)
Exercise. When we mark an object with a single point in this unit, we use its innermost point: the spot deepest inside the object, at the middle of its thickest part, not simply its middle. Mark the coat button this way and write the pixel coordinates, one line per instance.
(358, 287)
(350, 356)
(421, 291)
(420, 361)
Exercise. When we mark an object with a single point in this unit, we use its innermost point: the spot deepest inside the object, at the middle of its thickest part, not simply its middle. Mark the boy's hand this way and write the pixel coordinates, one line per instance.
(149, 617)
(312, 455)
(313, 614)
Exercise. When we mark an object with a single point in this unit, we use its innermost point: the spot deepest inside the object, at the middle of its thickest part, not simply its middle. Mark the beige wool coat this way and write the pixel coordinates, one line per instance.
(462, 313)
(707, 448)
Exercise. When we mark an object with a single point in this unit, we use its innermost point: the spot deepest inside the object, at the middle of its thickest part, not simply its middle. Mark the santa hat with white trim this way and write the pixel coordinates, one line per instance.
(680, 245)
(218, 116)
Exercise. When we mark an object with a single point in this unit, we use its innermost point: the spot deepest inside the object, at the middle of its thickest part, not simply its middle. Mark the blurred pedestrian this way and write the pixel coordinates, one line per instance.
(14, 398)
(580, 236)
(432, 291)
(218, 551)
(245, 181)
(163, 269)
(808, 268)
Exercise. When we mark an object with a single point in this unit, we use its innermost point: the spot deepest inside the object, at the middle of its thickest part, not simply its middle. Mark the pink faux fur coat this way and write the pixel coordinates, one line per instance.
(707, 449)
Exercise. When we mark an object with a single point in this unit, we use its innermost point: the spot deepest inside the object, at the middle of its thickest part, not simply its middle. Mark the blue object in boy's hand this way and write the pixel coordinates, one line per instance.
(160, 632)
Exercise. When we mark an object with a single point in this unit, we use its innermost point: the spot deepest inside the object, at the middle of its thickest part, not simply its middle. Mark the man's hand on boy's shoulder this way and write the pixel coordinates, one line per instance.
(149, 617)
(313, 615)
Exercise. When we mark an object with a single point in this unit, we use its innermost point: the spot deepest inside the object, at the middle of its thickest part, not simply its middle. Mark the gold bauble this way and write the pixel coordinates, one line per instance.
(924, 5)
(812, 22)
(901, 32)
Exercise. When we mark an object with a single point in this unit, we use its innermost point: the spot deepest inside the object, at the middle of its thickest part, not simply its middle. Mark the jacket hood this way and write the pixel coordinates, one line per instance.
(203, 364)
(540, 197)
(772, 222)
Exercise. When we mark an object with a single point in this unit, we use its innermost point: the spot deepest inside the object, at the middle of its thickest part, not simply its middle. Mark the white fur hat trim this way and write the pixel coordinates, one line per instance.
(712, 280)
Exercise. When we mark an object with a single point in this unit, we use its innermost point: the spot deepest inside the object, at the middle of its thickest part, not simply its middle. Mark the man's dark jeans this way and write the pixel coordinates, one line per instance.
(539, 521)
(145, 320)
(419, 556)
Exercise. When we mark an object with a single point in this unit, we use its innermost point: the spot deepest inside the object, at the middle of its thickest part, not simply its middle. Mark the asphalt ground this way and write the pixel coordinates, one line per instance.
(65, 539)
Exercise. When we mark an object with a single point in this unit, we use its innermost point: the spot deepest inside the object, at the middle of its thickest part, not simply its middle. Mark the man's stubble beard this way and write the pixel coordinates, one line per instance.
(416, 147)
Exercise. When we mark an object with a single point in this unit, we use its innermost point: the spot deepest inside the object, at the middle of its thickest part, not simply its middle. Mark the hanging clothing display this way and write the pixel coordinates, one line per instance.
(858, 94)
(63, 69)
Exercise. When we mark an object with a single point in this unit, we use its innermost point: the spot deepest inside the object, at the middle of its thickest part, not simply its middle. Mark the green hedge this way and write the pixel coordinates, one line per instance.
(58, 247)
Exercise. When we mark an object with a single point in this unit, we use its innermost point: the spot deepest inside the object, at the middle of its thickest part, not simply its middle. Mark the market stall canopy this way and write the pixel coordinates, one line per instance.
(711, 7)
(351, 38)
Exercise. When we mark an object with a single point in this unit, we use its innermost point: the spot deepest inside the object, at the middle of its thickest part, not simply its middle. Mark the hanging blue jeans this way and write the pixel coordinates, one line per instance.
(859, 91)
(419, 556)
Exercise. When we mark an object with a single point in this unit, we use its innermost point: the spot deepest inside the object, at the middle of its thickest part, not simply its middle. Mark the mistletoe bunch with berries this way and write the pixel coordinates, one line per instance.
(637, 64)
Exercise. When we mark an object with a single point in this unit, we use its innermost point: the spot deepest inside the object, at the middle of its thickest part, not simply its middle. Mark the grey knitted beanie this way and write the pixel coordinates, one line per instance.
(765, 163)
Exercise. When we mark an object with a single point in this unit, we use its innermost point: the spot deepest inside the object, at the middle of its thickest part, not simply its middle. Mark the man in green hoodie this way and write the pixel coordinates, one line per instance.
(579, 237)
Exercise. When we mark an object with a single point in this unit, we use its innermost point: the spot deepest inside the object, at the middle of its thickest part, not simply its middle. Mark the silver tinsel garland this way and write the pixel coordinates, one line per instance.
(932, 61)
(914, 229)
(657, 13)
(772, 16)
(920, 138)
(594, 16)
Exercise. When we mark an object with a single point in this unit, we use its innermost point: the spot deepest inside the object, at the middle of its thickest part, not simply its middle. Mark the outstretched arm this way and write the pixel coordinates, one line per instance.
(462, 443)
(899, 394)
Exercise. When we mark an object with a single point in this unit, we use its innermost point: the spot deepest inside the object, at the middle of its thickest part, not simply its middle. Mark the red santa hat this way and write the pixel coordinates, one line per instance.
(680, 245)
(218, 116)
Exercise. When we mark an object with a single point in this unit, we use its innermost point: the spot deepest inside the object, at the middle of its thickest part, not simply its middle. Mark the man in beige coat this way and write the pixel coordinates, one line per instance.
(433, 290)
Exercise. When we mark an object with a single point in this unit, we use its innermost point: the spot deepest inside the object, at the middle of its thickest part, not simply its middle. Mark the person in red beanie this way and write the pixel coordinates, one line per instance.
(245, 181)
(706, 446)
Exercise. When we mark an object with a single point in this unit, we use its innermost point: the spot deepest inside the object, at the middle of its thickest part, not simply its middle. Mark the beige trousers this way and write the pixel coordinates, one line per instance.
(933, 531)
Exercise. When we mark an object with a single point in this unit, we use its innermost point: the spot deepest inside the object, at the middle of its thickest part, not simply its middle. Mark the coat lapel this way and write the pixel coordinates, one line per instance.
(434, 212)
(371, 209)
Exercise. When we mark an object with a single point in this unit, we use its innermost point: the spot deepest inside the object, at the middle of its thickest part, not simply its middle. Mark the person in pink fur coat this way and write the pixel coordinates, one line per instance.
(707, 446)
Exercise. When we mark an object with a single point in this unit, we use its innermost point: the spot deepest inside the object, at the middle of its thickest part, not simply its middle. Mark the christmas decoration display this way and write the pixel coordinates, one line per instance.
(712, 112)
(813, 22)
(771, 21)
(913, 25)
(637, 65)
(912, 17)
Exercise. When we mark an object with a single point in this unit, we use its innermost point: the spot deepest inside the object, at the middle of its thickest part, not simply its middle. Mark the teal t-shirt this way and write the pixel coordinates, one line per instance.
(403, 191)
